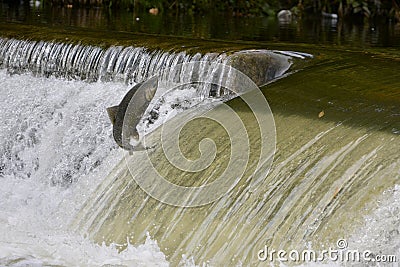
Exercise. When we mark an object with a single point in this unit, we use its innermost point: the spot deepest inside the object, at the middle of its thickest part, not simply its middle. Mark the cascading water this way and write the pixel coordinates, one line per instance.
(65, 183)
(54, 134)
(89, 63)
(120, 64)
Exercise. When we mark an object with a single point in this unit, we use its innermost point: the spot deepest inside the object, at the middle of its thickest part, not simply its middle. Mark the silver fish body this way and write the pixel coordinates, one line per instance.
(128, 114)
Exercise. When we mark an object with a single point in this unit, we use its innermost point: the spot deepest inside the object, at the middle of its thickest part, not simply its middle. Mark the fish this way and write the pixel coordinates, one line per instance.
(128, 114)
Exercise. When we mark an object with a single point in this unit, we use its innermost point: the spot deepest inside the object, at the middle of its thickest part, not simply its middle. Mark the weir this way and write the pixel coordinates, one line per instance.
(328, 170)
(127, 64)
(325, 177)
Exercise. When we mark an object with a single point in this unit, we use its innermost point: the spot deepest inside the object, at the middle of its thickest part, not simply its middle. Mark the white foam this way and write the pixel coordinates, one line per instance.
(169, 105)
(56, 147)
(381, 231)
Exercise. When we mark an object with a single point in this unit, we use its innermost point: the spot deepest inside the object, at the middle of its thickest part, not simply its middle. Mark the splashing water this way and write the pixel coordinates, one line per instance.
(54, 132)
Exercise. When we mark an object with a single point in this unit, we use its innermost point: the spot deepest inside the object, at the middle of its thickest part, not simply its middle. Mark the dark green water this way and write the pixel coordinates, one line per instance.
(380, 33)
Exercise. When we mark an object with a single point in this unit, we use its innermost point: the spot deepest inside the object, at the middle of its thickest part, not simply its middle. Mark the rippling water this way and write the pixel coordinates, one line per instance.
(310, 29)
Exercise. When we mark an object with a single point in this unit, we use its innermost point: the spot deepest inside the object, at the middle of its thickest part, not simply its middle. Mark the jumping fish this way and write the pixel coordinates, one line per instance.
(127, 115)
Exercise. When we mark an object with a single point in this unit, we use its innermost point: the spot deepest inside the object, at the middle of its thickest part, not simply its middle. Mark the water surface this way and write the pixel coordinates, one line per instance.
(311, 29)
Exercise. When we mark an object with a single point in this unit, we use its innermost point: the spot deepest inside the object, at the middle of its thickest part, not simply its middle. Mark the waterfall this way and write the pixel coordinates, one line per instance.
(130, 65)
(89, 63)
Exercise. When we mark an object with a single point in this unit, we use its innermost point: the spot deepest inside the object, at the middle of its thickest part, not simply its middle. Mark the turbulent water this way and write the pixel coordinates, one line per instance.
(67, 197)
(56, 132)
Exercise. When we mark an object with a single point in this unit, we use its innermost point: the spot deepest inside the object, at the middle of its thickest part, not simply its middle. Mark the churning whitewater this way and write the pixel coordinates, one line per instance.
(56, 147)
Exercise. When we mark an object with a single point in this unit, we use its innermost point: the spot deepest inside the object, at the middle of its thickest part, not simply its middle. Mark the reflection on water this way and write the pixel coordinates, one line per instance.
(213, 26)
